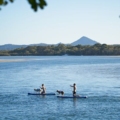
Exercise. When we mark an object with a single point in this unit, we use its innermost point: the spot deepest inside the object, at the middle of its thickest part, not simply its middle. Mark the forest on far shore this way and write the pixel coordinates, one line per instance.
(62, 49)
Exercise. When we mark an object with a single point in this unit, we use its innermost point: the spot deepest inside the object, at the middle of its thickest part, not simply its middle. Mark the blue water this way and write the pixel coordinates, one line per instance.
(95, 77)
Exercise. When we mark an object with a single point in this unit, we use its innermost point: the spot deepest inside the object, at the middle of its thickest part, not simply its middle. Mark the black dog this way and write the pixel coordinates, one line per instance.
(37, 90)
(60, 92)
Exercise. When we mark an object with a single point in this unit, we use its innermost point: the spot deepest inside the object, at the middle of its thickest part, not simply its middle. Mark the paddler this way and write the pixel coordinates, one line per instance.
(74, 89)
(43, 89)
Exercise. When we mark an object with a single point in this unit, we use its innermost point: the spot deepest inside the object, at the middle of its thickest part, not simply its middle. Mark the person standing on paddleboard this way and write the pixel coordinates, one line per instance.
(74, 89)
(43, 89)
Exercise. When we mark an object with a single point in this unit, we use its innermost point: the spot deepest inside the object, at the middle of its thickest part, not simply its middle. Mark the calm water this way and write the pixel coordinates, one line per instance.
(96, 77)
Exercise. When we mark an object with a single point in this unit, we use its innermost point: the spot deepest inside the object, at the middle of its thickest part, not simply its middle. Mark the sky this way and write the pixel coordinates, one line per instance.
(61, 21)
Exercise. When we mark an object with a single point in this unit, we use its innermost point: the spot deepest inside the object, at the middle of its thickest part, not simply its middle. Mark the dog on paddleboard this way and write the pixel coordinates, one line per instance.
(37, 90)
(60, 92)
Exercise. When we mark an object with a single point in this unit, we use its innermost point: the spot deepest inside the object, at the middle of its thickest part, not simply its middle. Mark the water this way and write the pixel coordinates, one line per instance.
(96, 77)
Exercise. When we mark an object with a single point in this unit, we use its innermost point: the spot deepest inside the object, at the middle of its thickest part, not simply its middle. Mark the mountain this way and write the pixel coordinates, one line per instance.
(84, 41)
(12, 47)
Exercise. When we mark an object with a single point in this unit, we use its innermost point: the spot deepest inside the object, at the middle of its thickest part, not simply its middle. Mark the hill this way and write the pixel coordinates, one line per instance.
(12, 47)
(84, 41)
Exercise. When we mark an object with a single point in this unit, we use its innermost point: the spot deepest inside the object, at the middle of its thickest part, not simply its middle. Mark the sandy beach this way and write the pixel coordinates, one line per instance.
(12, 60)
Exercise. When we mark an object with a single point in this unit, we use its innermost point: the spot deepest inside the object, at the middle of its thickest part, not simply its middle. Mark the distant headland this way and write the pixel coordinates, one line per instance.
(83, 46)
(82, 41)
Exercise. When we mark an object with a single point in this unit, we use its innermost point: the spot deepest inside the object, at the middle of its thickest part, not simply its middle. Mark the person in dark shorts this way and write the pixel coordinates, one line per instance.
(74, 89)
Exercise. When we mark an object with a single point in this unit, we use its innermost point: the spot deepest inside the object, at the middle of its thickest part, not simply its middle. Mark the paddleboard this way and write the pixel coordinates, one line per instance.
(72, 96)
(41, 94)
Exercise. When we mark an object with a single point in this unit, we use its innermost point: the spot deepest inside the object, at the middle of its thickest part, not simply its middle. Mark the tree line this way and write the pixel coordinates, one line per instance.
(62, 49)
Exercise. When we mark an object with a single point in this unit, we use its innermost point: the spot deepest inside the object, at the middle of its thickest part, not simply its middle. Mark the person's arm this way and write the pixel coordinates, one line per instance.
(41, 87)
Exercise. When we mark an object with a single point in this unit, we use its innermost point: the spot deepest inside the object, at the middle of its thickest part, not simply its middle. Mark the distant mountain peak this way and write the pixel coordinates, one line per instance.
(84, 41)
(84, 37)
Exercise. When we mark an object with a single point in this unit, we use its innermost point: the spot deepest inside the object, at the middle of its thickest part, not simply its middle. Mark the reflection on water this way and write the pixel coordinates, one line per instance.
(75, 100)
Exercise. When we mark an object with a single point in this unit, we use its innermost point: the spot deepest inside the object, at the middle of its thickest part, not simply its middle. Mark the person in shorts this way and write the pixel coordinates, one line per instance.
(74, 89)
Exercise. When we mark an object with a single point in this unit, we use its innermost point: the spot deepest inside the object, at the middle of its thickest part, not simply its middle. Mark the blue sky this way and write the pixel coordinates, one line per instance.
(61, 21)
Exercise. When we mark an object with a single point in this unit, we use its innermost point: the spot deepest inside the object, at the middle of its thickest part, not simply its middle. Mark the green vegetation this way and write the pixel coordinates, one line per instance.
(61, 49)
(35, 4)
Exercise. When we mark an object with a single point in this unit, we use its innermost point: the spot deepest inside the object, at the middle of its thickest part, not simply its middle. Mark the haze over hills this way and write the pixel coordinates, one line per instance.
(82, 41)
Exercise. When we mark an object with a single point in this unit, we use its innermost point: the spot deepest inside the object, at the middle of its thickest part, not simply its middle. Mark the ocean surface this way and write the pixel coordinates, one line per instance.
(97, 77)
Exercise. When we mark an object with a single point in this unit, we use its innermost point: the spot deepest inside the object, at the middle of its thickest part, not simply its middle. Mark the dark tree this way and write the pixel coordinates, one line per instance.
(35, 4)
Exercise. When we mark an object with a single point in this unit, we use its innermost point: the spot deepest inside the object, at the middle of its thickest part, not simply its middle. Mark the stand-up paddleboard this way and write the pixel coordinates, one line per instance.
(72, 96)
(41, 94)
